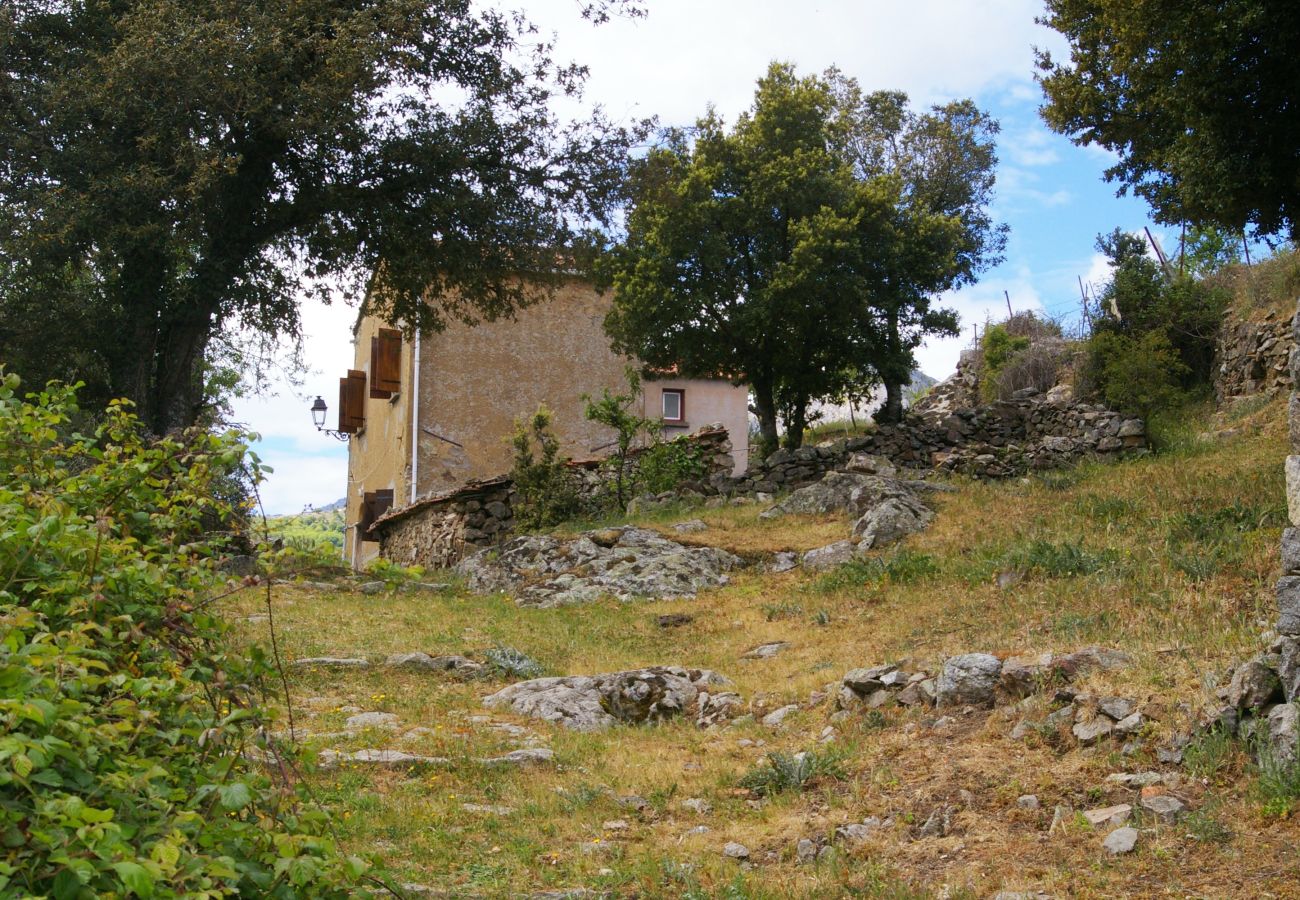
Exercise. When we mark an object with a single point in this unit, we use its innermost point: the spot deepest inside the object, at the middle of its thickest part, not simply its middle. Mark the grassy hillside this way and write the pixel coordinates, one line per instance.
(1170, 558)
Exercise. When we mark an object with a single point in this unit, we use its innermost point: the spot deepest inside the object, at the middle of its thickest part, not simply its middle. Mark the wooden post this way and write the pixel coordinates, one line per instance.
(1008, 296)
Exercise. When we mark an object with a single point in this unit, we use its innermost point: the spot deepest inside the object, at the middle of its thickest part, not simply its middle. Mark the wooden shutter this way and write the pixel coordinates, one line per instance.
(373, 505)
(377, 392)
(352, 402)
(386, 360)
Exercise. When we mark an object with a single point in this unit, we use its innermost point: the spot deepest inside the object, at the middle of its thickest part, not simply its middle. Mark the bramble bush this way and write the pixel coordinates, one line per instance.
(126, 721)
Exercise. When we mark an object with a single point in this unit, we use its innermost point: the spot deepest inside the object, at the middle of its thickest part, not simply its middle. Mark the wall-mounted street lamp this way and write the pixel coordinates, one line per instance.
(318, 411)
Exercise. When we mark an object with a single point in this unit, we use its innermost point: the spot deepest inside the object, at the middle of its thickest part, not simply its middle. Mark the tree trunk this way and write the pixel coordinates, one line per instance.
(892, 411)
(178, 377)
(895, 372)
(765, 410)
(795, 425)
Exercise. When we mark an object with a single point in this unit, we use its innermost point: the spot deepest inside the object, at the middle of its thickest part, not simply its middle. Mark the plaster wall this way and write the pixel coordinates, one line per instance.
(477, 380)
(705, 401)
(379, 455)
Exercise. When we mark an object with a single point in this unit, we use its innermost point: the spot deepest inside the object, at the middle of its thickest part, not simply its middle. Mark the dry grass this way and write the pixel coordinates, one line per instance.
(1170, 558)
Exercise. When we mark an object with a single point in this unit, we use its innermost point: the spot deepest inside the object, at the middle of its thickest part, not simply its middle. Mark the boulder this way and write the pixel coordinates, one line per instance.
(970, 678)
(1284, 731)
(1288, 603)
(1164, 807)
(831, 494)
(1089, 733)
(1255, 684)
(1121, 840)
(595, 702)
(329, 662)
(830, 556)
(1024, 675)
(891, 520)
(1288, 667)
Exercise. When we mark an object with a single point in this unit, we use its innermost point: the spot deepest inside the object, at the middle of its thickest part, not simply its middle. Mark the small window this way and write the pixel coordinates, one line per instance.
(373, 505)
(674, 405)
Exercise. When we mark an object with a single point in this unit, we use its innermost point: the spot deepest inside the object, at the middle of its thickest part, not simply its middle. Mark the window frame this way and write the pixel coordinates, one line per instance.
(680, 393)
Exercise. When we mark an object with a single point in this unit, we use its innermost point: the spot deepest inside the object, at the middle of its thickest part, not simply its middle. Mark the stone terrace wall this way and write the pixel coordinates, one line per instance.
(1031, 431)
(435, 531)
(1253, 357)
(1287, 644)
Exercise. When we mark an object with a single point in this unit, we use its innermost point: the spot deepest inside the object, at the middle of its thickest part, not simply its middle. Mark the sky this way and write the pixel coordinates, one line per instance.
(687, 54)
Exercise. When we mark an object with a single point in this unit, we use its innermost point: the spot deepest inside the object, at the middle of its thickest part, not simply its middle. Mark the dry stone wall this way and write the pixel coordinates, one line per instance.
(1287, 644)
(1254, 357)
(439, 531)
(1009, 437)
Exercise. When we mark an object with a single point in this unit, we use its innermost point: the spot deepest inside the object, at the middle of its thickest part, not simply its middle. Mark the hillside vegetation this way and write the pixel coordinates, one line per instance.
(1170, 558)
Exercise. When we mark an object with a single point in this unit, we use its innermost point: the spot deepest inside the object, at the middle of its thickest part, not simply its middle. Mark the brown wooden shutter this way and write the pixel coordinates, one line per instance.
(352, 402)
(376, 391)
(373, 505)
(386, 360)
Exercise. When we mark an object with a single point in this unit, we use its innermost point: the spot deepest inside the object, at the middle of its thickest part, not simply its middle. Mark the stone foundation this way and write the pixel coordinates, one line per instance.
(1253, 358)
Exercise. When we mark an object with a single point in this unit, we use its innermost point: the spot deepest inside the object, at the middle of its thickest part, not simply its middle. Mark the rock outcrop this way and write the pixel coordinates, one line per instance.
(627, 563)
(637, 696)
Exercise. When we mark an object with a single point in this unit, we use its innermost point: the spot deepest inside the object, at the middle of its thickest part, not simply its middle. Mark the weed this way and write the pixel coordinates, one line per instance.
(821, 617)
(1106, 509)
(1200, 564)
(902, 567)
(785, 772)
(785, 610)
(1204, 826)
(1069, 558)
(1277, 779)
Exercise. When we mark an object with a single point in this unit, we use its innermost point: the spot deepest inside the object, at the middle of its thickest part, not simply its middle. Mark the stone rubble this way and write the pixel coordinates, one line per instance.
(627, 563)
(637, 696)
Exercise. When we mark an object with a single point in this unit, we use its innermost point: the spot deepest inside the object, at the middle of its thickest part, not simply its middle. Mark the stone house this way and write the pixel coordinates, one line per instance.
(431, 414)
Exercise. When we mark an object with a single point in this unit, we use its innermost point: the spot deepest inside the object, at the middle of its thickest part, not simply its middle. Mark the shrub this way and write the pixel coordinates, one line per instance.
(998, 347)
(1038, 366)
(1028, 325)
(615, 411)
(545, 490)
(1136, 375)
(665, 465)
(125, 720)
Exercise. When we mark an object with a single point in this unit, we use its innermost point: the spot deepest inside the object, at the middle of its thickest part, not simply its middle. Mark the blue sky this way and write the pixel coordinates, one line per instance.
(689, 53)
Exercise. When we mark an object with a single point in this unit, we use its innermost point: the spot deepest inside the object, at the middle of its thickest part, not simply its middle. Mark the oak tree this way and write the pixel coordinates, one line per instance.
(179, 172)
(1197, 98)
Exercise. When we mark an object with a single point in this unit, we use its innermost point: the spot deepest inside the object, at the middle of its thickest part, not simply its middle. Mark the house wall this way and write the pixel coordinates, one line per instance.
(477, 380)
(379, 456)
(706, 401)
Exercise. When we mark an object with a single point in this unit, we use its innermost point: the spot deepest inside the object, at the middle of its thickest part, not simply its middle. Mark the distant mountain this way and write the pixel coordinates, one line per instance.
(919, 384)
(342, 503)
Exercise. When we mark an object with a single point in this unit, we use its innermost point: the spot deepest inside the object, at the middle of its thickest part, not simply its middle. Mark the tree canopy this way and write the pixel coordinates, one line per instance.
(1197, 98)
(799, 250)
(174, 174)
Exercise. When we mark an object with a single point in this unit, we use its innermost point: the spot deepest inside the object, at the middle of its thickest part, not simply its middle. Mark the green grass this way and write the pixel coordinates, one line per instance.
(1171, 557)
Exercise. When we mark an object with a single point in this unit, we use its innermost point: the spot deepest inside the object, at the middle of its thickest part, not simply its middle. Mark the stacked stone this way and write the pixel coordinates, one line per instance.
(438, 531)
(1254, 358)
(1287, 645)
(1009, 437)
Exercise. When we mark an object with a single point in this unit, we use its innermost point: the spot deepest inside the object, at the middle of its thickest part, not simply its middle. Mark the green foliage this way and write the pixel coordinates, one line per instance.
(260, 149)
(773, 612)
(665, 465)
(1063, 560)
(615, 411)
(1154, 334)
(546, 494)
(1277, 779)
(124, 718)
(998, 347)
(800, 249)
(1209, 753)
(315, 527)
(1196, 104)
(785, 772)
(1135, 375)
(900, 567)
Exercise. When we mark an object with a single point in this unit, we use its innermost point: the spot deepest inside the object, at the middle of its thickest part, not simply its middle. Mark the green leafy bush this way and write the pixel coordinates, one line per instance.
(999, 347)
(665, 465)
(1136, 375)
(546, 493)
(125, 721)
(615, 411)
